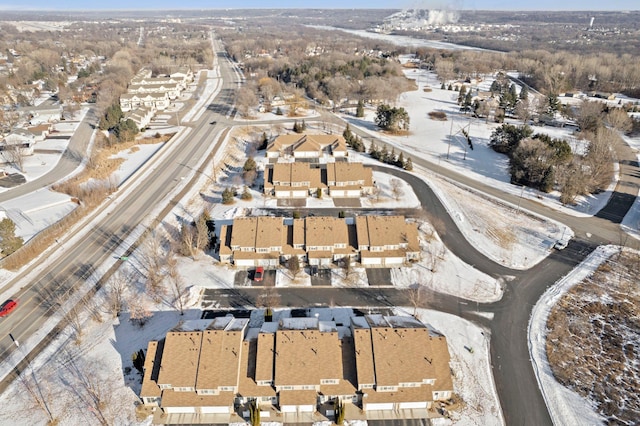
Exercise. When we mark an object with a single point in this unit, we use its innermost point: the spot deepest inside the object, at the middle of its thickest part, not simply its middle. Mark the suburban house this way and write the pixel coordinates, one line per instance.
(40, 132)
(19, 139)
(44, 113)
(301, 179)
(370, 240)
(303, 146)
(297, 370)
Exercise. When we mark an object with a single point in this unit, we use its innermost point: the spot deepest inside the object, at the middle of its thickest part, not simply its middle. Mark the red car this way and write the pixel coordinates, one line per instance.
(7, 307)
(259, 274)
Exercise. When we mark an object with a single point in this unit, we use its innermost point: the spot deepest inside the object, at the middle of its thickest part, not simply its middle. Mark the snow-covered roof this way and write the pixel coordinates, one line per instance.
(221, 322)
(269, 327)
(299, 324)
(193, 325)
(327, 326)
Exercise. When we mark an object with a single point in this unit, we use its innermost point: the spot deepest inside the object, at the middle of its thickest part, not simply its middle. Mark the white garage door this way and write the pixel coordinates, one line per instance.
(370, 261)
(307, 408)
(337, 193)
(244, 262)
(288, 408)
(422, 404)
(380, 406)
(180, 410)
(299, 193)
(283, 194)
(393, 261)
(214, 410)
(353, 193)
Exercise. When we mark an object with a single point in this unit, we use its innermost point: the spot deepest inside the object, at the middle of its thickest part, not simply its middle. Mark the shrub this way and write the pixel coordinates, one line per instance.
(438, 115)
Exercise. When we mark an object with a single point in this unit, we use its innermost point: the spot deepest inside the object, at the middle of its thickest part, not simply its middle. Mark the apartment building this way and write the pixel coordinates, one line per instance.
(307, 147)
(370, 240)
(297, 369)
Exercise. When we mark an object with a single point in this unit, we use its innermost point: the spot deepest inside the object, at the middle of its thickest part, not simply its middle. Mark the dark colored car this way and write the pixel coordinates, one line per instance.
(259, 274)
(7, 307)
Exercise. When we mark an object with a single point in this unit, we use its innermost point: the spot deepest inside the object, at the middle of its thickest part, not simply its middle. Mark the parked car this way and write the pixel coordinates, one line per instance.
(561, 244)
(258, 274)
(7, 307)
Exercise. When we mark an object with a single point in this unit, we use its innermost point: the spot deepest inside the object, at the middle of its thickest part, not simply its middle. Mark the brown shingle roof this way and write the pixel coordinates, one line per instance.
(305, 357)
(307, 143)
(247, 386)
(220, 359)
(150, 386)
(326, 231)
(298, 397)
(265, 353)
(180, 357)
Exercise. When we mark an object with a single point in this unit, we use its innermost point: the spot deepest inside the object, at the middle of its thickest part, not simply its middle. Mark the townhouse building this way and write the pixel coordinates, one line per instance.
(297, 370)
(319, 241)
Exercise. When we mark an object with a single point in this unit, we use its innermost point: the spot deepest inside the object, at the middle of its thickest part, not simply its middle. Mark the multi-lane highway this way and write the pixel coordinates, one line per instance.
(520, 397)
(69, 269)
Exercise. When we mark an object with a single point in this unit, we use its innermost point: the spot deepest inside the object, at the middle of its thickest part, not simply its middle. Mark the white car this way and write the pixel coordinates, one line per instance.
(559, 245)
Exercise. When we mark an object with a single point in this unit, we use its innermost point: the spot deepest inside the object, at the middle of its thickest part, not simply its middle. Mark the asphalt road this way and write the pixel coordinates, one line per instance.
(67, 271)
(71, 159)
(518, 390)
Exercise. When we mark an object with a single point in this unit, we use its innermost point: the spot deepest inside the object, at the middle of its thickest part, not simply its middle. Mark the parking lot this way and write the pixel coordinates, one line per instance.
(245, 278)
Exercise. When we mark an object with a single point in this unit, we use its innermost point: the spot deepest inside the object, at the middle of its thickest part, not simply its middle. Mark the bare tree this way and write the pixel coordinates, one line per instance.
(293, 265)
(396, 188)
(39, 390)
(417, 297)
(15, 153)
(115, 292)
(270, 298)
(202, 232)
(187, 239)
(619, 120)
(245, 100)
(153, 260)
(139, 312)
(179, 290)
(89, 389)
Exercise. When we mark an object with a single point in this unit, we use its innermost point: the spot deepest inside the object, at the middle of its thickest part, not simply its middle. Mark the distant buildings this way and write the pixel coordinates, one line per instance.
(146, 95)
(297, 370)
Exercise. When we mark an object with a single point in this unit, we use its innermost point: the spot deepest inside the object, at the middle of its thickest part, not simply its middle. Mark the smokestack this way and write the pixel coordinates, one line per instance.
(591, 22)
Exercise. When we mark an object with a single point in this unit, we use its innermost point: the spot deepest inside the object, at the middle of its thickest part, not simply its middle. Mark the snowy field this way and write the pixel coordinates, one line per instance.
(481, 162)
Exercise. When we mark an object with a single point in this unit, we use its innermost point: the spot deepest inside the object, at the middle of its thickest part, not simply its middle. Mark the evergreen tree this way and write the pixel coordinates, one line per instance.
(466, 103)
(442, 86)
(524, 93)
(408, 165)
(360, 109)
(227, 196)
(463, 92)
(246, 195)
(450, 87)
(9, 242)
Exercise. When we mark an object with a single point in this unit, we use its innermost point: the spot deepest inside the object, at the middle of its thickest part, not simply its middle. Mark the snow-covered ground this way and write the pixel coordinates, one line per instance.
(47, 153)
(524, 243)
(430, 139)
(631, 222)
(565, 406)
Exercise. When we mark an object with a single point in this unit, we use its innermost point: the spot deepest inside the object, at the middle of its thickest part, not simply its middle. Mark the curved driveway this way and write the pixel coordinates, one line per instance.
(520, 397)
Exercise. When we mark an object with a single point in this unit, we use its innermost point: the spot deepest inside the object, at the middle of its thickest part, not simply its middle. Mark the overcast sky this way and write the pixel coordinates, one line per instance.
(386, 4)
